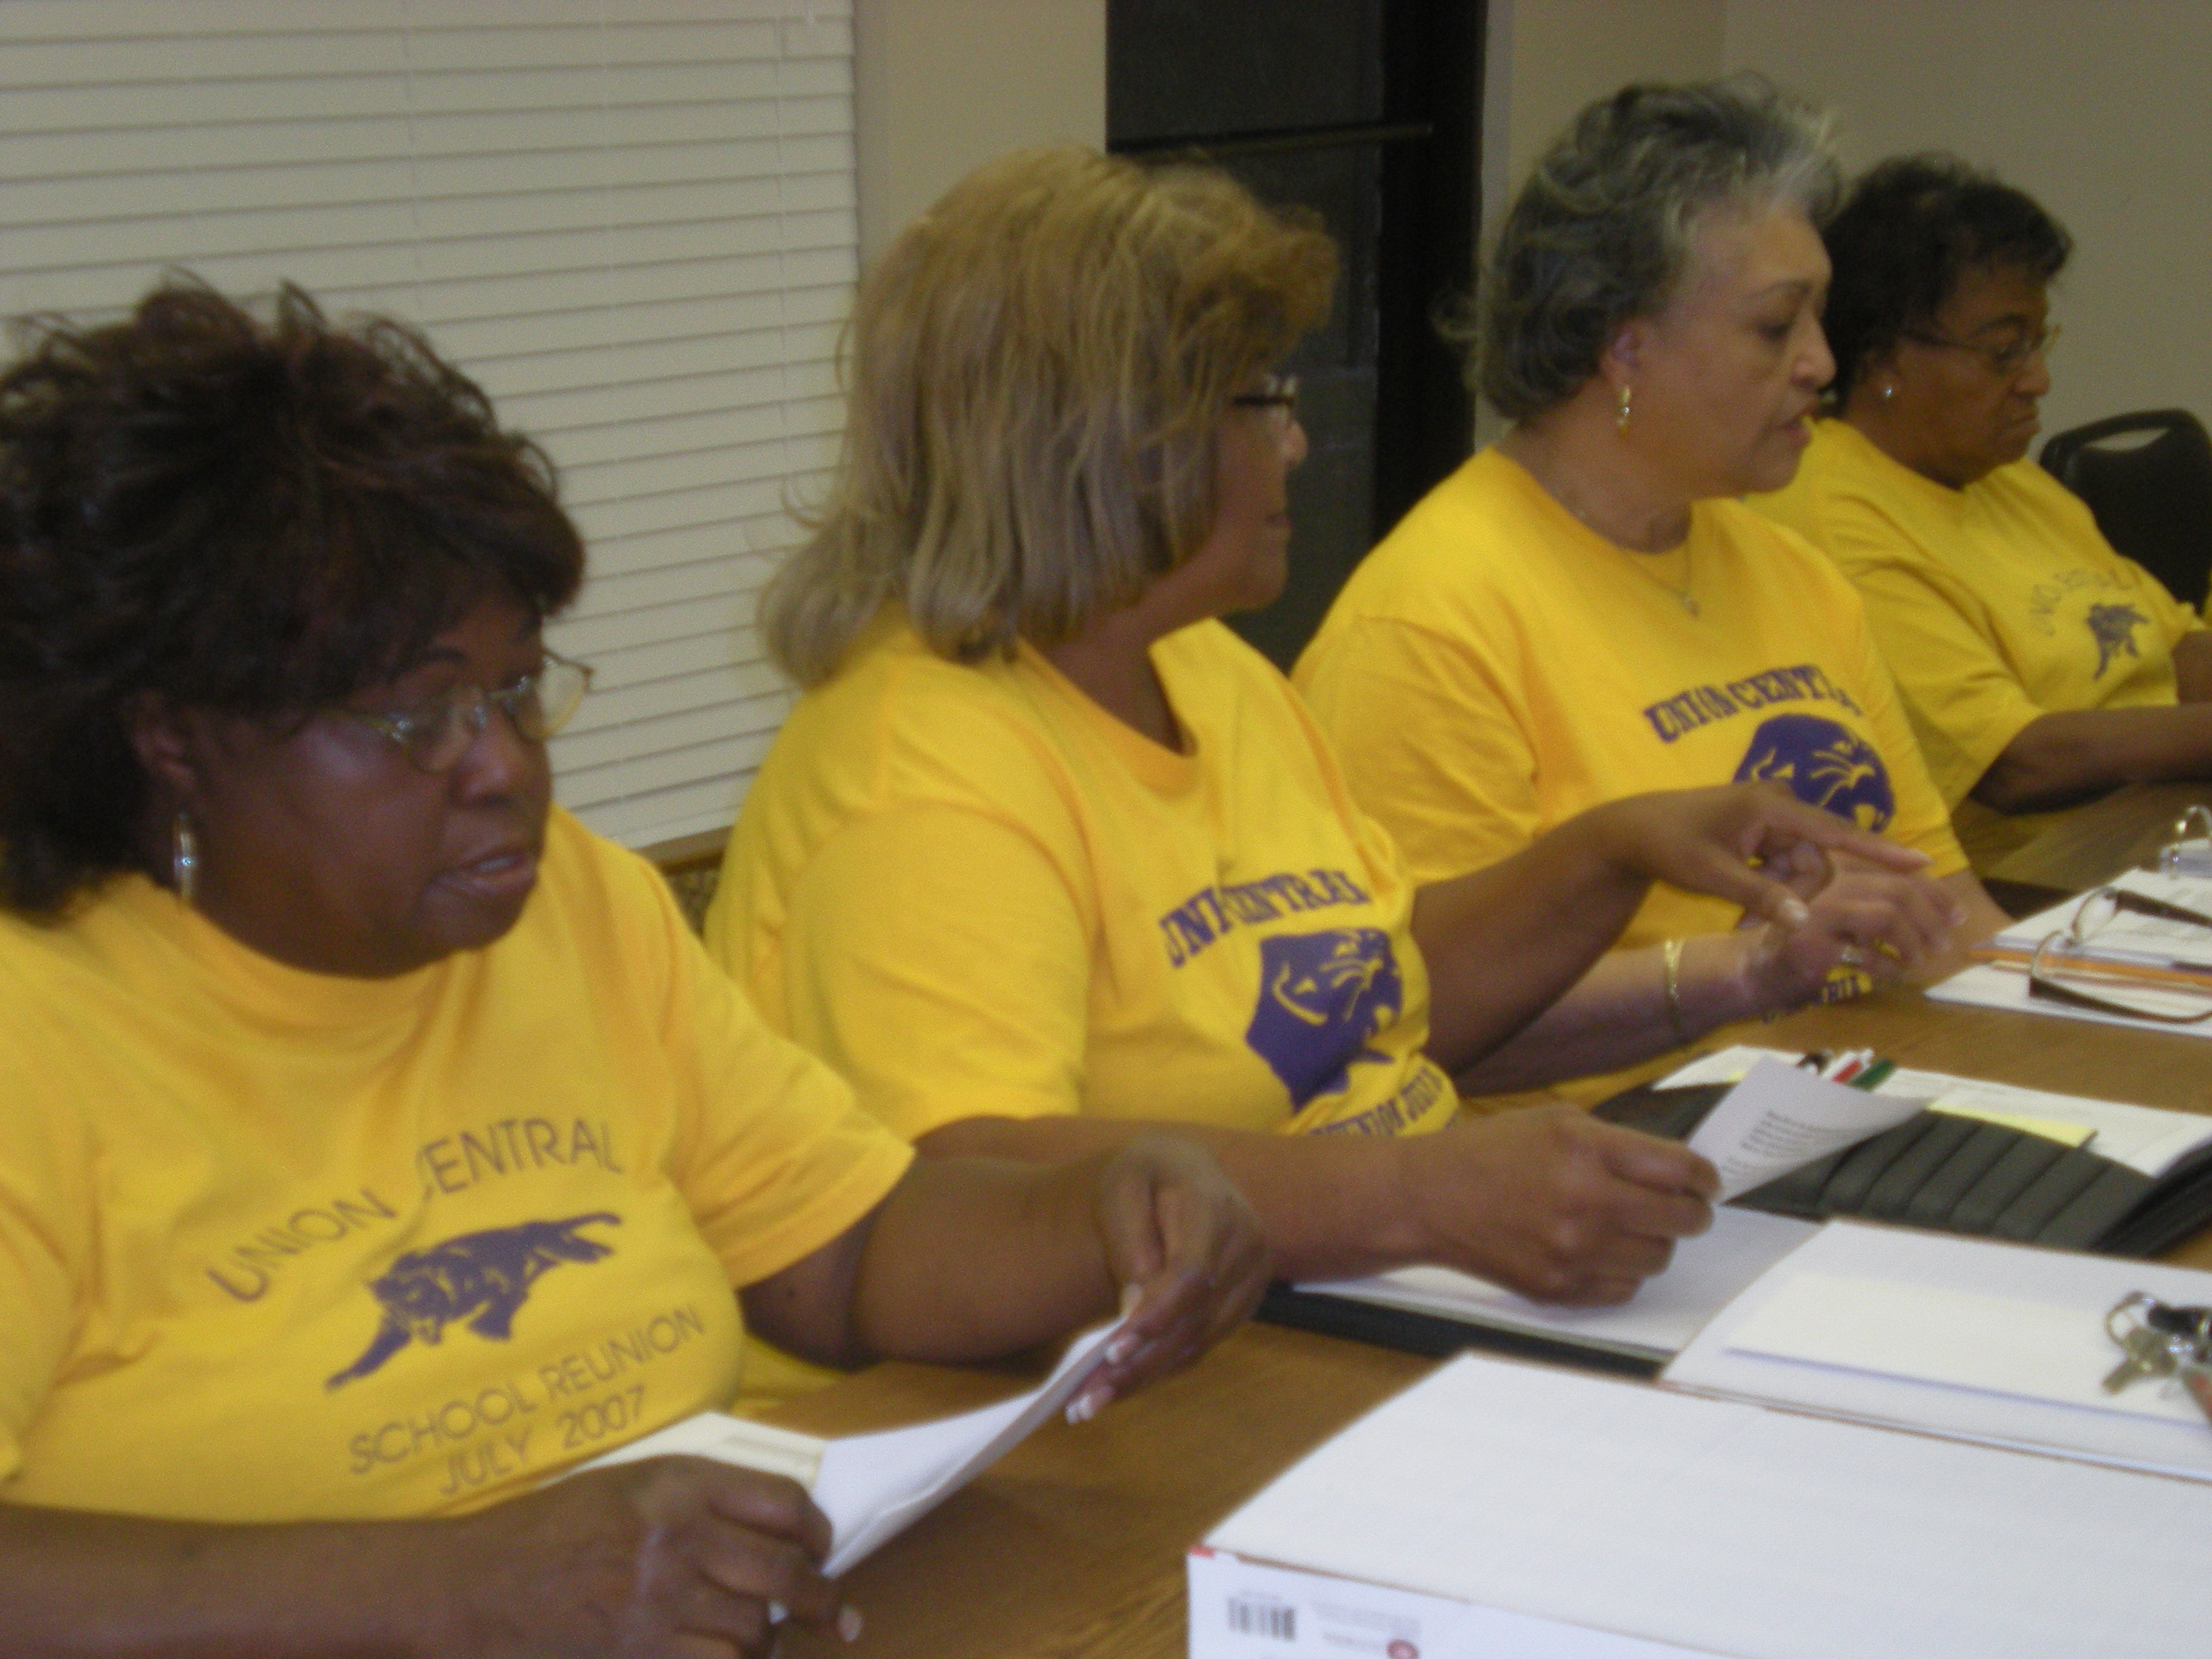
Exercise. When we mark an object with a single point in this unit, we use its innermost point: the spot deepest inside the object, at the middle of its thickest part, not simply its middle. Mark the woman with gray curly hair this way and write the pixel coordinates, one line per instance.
(1582, 612)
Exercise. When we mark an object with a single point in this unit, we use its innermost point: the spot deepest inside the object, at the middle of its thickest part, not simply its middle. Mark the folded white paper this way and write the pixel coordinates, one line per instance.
(1780, 1118)
(872, 1487)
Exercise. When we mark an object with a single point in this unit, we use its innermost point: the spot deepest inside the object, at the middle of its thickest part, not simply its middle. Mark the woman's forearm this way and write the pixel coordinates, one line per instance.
(78, 1584)
(2064, 758)
(1504, 943)
(1329, 1205)
(1617, 1014)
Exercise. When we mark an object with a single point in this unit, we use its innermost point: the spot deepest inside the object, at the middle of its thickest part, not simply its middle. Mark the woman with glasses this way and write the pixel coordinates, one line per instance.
(376, 1143)
(1045, 854)
(2040, 667)
(1582, 611)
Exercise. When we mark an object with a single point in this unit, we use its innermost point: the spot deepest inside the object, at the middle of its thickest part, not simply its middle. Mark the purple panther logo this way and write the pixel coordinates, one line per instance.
(2113, 627)
(1824, 764)
(483, 1277)
(1321, 997)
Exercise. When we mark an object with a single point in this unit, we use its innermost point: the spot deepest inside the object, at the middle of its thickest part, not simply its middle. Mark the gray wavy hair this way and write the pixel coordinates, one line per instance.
(1602, 230)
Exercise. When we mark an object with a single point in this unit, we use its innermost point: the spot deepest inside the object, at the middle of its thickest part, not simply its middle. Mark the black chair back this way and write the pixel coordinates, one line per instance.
(2152, 500)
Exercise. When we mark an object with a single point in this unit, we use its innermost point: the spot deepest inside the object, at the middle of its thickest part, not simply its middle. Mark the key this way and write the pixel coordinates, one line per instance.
(2149, 1353)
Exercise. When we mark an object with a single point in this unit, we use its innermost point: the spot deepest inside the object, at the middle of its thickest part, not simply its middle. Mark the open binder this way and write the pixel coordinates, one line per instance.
(1962, 1174)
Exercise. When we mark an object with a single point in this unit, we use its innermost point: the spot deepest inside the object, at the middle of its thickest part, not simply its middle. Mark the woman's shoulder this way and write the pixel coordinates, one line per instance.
(1487, 530)
(900, 723)
(1767, 546)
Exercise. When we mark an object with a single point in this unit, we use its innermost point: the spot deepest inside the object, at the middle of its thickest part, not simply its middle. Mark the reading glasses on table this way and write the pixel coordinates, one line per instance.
(2176, 994)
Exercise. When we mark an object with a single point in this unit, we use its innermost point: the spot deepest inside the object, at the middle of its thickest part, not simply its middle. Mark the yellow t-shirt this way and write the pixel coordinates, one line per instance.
(975, 893)
(1993, 604)
(1495, 667)
(278, 1246)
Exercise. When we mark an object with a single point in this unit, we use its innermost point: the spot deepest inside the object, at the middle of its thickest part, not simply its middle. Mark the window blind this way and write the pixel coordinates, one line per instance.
(631, 220)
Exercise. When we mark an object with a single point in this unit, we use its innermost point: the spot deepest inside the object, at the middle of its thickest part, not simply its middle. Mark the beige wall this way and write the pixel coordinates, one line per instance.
(1549, 58)
(2101, 109)
(1546, 59)
(942, 86)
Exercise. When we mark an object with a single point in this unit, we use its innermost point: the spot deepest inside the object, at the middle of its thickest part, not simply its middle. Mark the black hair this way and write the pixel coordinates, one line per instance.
(211, 511)
(1908, 229)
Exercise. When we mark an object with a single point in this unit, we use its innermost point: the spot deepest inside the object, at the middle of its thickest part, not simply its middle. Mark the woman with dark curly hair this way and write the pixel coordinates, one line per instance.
(1581, 612)
(2040, 667)
(377, 1142)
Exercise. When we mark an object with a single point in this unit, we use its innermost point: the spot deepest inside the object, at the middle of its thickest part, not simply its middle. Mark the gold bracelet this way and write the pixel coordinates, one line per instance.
(1671, 955)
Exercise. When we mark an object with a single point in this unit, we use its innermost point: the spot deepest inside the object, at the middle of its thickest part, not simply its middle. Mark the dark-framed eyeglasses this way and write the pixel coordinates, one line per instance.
(2063, 968)
(2004, 359)
(435, 736)
(1277, 395)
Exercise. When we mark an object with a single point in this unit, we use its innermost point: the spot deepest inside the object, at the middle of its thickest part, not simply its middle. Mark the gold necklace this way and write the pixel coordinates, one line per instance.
(1688, 599)
(1565, 497)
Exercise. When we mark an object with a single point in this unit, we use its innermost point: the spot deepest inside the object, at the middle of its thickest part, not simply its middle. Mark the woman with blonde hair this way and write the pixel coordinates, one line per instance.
(1582, 611)
(1045, 854)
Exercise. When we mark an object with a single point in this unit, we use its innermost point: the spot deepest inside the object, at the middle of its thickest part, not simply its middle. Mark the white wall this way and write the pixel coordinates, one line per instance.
(942, 86)
(2100, 109)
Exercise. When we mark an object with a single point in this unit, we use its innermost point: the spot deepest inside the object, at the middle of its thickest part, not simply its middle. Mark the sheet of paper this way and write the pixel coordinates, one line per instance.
(1965, 1337)
(2129, 936)
(1996, 1344)
(872, 1487)
(2143, 1138)
(1611, 1506)
(1991, 985)
(1706, 1273)
(1779, 1118)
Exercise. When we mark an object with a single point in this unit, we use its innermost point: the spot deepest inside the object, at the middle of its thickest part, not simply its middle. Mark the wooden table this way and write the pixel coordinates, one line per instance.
(2090, 844)
(1074, 1545)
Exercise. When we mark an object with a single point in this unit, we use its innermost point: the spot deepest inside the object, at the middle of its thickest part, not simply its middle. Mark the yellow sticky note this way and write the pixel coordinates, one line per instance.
(2066, 1134)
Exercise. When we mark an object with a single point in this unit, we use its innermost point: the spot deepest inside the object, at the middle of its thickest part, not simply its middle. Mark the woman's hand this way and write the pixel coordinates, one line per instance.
(1553, 1203)
(1884, 924)
(1754, 844)
(1187, 1251)
(674, 1557)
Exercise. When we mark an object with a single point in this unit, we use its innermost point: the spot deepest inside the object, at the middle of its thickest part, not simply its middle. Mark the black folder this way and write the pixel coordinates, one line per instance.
(1960, 1175)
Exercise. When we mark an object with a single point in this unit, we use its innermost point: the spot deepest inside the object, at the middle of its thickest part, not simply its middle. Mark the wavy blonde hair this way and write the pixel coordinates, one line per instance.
(1037, 367)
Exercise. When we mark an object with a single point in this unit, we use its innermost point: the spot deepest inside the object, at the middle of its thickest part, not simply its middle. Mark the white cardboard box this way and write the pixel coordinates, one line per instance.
(1501, 1509)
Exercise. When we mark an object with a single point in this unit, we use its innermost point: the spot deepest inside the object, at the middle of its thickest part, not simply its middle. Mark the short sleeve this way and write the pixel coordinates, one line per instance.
(1427, 742)
(1922, 816)
(1967, 704)
(42, 1237)
(935, 957)
(773, 1156)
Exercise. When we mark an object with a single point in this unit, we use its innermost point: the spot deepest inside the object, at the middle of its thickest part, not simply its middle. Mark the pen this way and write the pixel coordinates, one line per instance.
(1816, 1062)
(1849, 1065)
(1875, 1075)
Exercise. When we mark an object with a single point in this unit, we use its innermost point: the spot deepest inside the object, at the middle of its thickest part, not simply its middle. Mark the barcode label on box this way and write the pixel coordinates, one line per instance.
(1248, 1617)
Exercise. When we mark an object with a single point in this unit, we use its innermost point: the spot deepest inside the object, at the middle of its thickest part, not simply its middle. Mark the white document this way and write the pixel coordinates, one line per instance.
(1706, 1273)
(1615, 1517)
(1779, 1118)
(2129, 937)
(2144, 1137)
(872, 1487)
(2001, 1343)
(1991, 985)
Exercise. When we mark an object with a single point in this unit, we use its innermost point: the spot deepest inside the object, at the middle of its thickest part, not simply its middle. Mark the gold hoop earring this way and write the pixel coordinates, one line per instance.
(1620, 419)
(183, 857)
